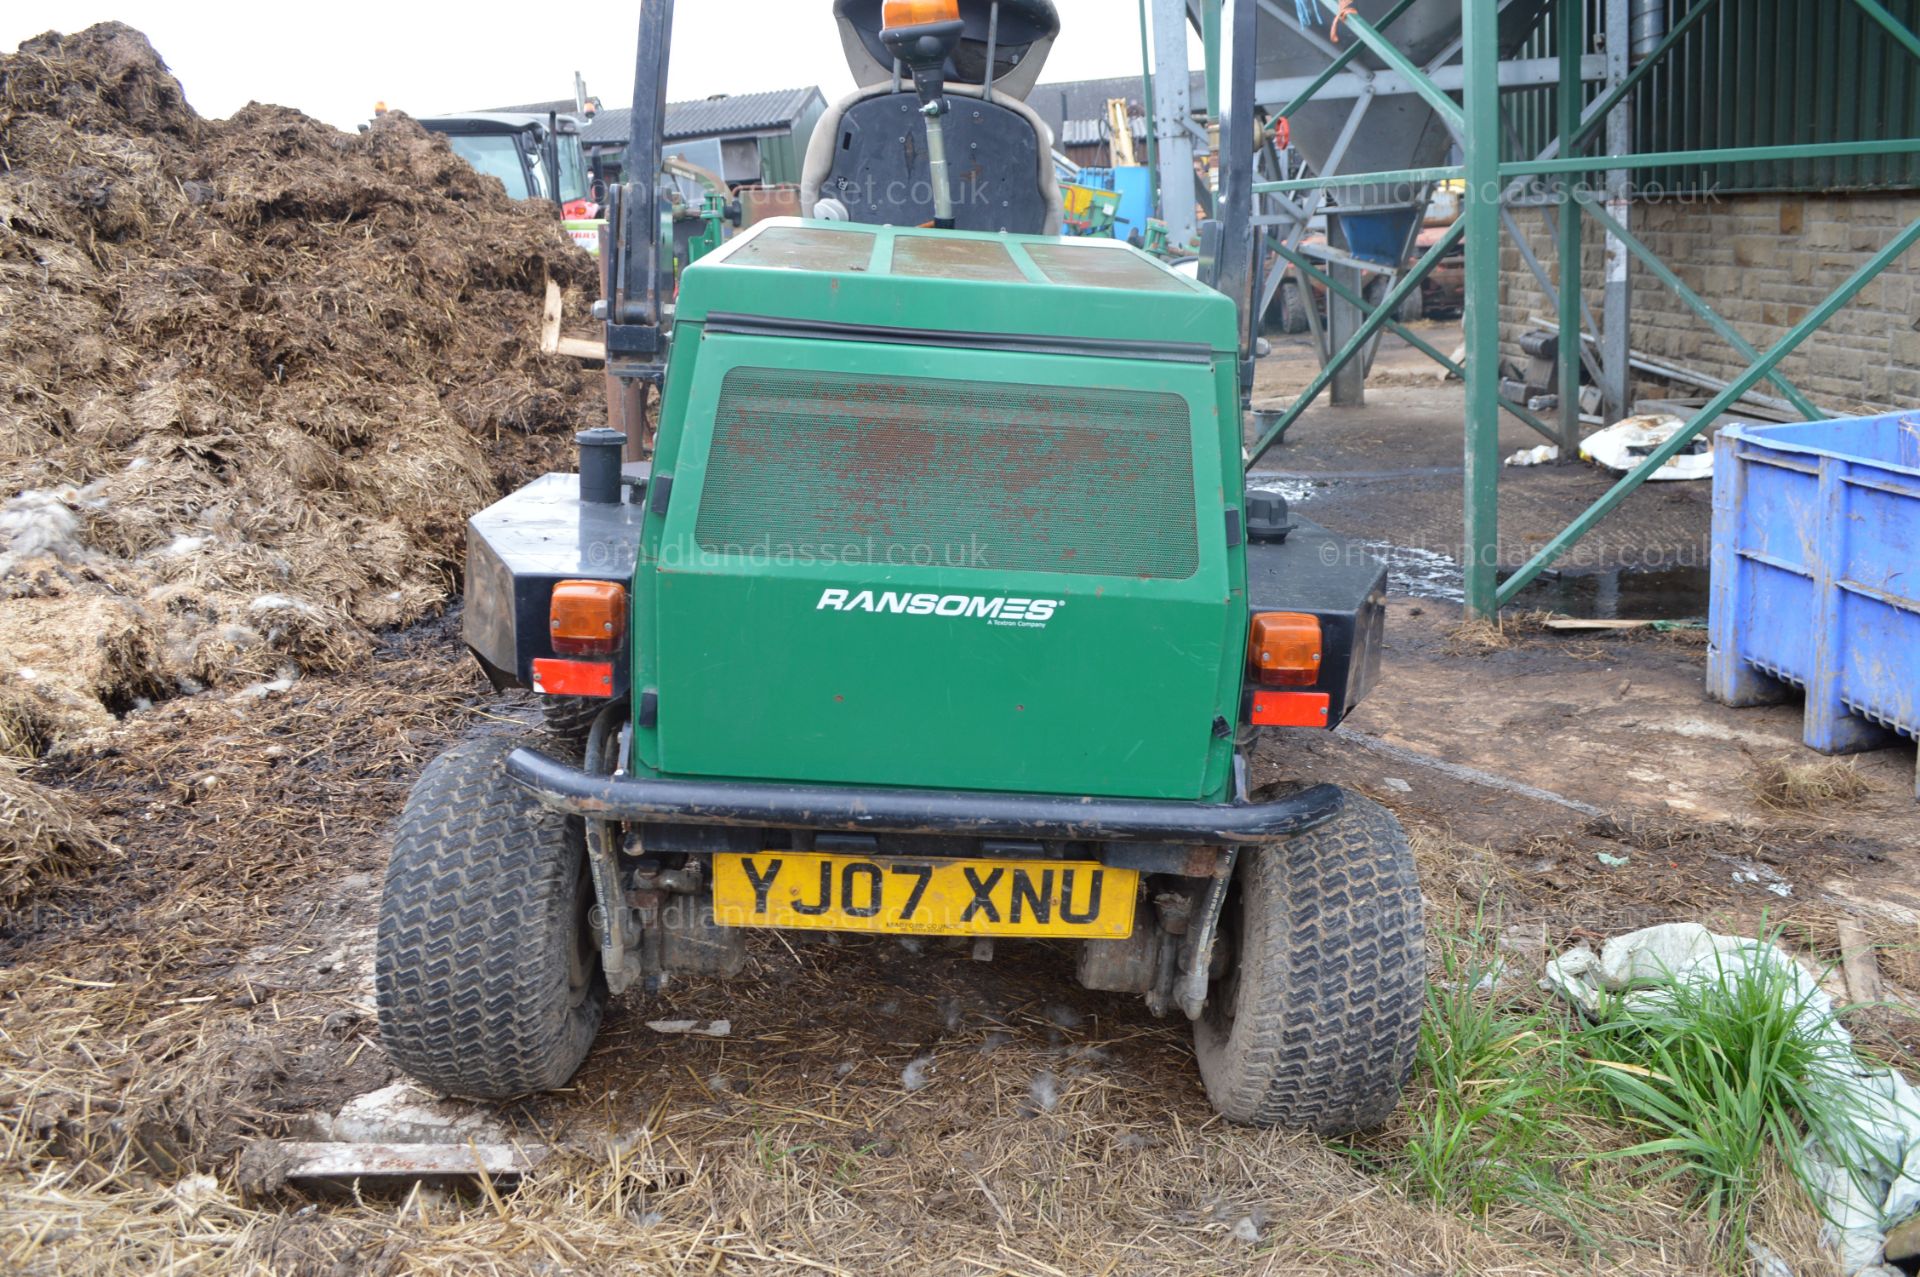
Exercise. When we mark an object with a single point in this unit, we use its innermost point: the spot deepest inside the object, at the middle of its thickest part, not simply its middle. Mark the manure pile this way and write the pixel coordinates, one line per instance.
(254, 375)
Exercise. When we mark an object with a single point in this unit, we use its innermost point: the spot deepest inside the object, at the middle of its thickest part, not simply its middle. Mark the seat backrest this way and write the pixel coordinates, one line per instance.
(867, 163)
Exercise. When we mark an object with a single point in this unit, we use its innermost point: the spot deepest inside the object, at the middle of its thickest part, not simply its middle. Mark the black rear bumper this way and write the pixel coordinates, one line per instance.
(564, 788)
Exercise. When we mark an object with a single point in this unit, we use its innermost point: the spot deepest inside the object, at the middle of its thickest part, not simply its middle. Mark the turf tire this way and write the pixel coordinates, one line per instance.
(1314, 1021)
(487, 978)
(568, 720)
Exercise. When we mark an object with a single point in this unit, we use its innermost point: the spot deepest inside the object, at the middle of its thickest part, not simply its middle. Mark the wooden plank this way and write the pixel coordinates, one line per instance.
(550, 320)
(552, 343)
(1857, 960)
(406, 1161)
(579, 348)
(1576, 624)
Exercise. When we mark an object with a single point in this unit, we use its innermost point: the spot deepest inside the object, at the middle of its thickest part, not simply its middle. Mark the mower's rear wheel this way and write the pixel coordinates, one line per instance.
(1314, 1022)
(486, 972)
(568, 721)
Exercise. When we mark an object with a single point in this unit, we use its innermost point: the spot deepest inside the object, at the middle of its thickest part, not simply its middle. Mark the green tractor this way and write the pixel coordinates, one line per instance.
(942, 609)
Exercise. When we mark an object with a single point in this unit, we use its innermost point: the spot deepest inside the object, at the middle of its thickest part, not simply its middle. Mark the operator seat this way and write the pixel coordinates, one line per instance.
(867, 159)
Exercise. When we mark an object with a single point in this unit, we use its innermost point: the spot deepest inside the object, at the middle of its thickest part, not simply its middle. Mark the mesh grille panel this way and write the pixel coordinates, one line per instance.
(950, 473)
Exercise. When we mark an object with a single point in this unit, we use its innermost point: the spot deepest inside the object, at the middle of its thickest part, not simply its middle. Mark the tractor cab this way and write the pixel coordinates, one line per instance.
(940, 113)
(534, 156)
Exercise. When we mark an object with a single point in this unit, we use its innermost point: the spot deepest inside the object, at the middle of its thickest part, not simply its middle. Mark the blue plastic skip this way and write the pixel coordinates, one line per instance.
(1816, 575)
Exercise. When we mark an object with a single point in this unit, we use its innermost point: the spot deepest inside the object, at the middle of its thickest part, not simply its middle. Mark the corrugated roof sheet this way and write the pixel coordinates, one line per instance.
(1785, 73)
(711, 117)
(1094, 132)
(609, 127)
(563, 106)
(1065, 100)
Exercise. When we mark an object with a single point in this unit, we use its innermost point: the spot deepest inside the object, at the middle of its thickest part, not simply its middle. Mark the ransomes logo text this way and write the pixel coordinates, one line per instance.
(1025, 613)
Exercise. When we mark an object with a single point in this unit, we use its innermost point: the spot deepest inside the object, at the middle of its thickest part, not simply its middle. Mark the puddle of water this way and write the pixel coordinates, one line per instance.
(1420, 574)
(1657, 594)
(1304, 487)
(1291, 488)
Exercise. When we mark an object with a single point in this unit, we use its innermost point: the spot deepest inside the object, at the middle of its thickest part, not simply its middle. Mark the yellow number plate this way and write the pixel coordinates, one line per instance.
(928, 897)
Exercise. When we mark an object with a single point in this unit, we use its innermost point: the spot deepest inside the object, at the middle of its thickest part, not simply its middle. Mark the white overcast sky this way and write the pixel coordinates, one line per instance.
(334, 59)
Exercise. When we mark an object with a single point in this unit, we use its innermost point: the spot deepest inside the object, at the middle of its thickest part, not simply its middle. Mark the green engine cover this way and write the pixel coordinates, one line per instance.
(947, 510)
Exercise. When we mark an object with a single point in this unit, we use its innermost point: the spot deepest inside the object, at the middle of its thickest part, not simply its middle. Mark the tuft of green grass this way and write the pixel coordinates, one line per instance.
(1500, 1082)
(1692, 1094)
(1724, 1074)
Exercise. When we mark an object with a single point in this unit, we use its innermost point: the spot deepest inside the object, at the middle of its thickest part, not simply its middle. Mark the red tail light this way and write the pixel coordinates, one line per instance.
(555, 677)
(1289, 709)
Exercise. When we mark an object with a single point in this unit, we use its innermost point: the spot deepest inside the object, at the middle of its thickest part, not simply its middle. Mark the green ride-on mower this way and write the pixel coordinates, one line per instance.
(941, 609)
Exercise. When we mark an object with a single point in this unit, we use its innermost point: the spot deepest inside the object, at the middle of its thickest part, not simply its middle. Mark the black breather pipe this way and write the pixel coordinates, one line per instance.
(601, 452)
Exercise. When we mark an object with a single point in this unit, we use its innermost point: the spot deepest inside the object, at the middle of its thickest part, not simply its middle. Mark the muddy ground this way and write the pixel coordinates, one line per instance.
(877, 1106)
(1392, 471)
(212, 986)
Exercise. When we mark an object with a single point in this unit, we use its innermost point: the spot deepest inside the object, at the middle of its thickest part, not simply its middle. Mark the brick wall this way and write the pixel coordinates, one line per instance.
(1762, 261)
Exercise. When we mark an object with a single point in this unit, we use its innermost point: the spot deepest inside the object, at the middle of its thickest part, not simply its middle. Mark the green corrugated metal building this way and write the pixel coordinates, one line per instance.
(1761, 242)
(1759, 73)
(745, 138)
